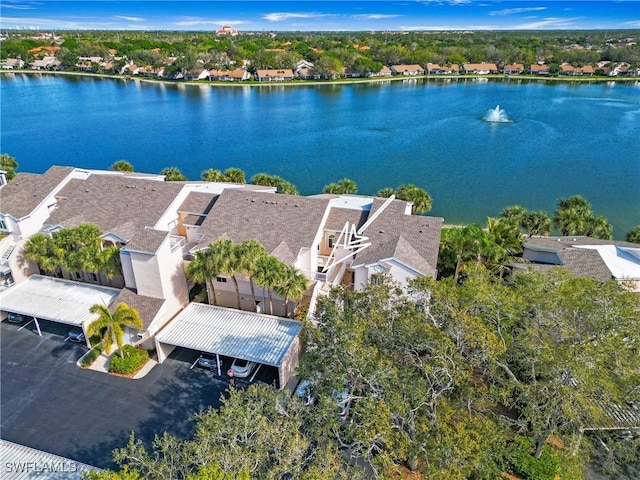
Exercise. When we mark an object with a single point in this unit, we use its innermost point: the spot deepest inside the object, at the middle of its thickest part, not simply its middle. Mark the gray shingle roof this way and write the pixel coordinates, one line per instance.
(24, 193)
(339, 216)
(268, 218)
(555, 243)
(198, 203)
(147, 240)
(411, 239)
(585, 263)
(118, 205)
(147, 307)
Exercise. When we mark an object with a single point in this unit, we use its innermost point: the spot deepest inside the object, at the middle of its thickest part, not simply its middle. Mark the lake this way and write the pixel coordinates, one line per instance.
(561, 138)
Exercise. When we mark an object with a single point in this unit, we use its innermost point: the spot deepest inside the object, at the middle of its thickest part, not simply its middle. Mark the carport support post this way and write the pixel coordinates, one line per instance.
(37, 326)
(218, 363)
(86, 337)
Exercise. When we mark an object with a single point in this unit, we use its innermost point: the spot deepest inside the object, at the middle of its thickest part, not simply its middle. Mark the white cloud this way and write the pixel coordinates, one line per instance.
(278, 17)
(633, 23)
(17, 7)
(511, 11)
(129, 19)
(450, 2)
(548, 23)
(447, 27)
(375, 16)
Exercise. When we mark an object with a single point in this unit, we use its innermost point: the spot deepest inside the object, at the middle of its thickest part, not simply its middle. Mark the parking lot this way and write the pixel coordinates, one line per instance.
(51, 404)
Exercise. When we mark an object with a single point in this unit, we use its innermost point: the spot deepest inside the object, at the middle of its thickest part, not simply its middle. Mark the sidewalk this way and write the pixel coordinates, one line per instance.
(101, 364)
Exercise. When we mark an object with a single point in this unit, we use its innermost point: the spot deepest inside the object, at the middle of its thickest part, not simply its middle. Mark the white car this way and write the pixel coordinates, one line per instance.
(242, 368)
(303, 392)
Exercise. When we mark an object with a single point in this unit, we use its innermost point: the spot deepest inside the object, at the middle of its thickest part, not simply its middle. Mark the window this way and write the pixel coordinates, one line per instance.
(332, 239)
(94, 277)
(221, 279)
(377, 278)
(78, 276)
(3, 225)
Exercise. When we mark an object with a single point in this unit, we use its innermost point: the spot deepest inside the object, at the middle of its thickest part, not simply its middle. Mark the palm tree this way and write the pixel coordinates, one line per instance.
(249, 252)
(600, 228)
(201, 270)
(347, 185)
(224, 256)
(212, 175)
(514, 213)
(386, 192)
(292, 286)
(573, 215)
(419, 197)
(39, 249)
(173, 174)
(235, 175)
(633, 235)
(269, 273)
(536, 223)
(122, 166)
(112, 325)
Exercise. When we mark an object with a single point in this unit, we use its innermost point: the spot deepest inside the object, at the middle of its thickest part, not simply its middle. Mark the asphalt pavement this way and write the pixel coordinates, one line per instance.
(51, 404)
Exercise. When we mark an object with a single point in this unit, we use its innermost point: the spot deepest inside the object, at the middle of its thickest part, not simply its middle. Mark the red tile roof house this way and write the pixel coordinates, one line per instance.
(407, 70)
(479, 68)
(535, 69)
(274, 75)
(513, 69)
(306, 73)
(239, 74)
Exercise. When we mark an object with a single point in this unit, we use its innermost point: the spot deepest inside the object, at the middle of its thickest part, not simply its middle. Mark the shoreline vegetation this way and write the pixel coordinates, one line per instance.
(341, 81)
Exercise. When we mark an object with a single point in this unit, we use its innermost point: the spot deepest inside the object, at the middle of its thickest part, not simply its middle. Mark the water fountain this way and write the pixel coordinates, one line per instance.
(496, 115)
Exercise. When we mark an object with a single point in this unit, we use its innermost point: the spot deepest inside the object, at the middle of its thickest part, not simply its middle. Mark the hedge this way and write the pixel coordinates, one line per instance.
(90, 357)
(134, 359)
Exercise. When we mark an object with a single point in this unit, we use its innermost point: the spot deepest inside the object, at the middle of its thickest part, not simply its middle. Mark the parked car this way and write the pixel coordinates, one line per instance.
(15, 318)
(206, 360)
(303, 392)
(76, 336)
(242, 368)
(343, 401)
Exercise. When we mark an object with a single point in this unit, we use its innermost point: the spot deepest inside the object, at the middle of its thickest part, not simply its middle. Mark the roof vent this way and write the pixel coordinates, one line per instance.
(381, 231)
(296, 205)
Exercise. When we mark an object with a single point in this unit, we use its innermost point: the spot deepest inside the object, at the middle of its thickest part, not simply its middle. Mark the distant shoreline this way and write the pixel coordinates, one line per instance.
(350, 81)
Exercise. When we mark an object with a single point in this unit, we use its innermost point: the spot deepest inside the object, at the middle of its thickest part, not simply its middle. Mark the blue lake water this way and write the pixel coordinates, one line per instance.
(562, 138)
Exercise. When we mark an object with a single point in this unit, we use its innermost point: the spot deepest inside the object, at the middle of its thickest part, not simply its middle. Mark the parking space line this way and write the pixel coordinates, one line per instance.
(255, 373)
(25, 324)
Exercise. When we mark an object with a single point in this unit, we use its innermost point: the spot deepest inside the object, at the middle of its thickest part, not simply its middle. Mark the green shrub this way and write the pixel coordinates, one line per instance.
(525, 464)
(90, 357)
(133, 360)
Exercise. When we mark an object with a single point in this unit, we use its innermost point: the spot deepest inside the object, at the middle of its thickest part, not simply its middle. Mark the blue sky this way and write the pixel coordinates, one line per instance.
(303, 15)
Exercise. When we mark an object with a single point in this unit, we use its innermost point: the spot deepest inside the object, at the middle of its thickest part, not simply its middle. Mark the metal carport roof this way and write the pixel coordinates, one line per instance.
(22, 462)
(232, 333)
(55, 299)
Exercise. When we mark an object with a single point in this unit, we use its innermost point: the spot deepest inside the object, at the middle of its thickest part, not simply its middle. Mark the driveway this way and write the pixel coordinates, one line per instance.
(51, 404)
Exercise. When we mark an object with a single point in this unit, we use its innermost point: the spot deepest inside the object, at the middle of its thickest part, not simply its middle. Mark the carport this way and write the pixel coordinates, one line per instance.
(56, 300)
(259, 338)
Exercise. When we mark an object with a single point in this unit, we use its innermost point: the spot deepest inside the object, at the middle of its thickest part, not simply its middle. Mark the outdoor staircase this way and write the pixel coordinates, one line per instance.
(7, 253)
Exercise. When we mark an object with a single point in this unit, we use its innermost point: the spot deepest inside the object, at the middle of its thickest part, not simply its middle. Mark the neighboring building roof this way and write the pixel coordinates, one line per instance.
(411, 239)
(20, 462)
(55, 299)
(232, 333)
(585, 263)
(268, 218)
(115, 204)
(147, 307)
(147, 240)
(591, 257)
(339, 216)
(198, 203)
(26, 191)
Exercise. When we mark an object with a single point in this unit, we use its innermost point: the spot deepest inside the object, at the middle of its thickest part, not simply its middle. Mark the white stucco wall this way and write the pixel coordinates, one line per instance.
(127, 269)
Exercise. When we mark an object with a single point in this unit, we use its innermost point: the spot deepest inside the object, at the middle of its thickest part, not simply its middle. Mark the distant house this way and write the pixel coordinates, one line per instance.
(539, 69)
(409, 70)
(227, 30)
(198, 74)
(587, 257)
(306, 73)
(46, 63)
(479, 68)
(513, 69)
(11, 63)
(566, 69)
(274, 75)
(131, 69)
(436, 69)
(151, 72)
(352, 73)
(303, 64)
(384, 72)
(239, 74)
